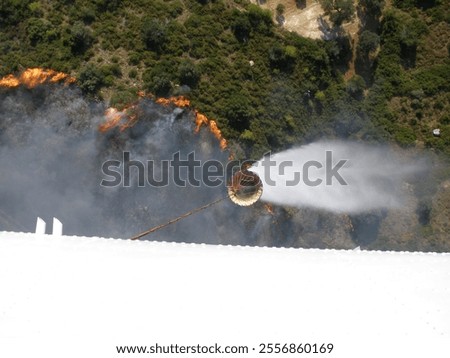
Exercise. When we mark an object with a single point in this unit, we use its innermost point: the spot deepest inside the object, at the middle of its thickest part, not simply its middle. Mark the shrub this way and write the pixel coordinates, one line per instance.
(368, 42)
(133, 73)
(355, 86)
(112, 70)
(161, 85)
(280, 9)
(189, 74)
(372, 7)
(238, 110)
(91, 79)
(153, 34)
(80, 38)
(39, 30)
(134, 58)
(320, 96)
(404, 135)
(339, 11)
(434, 79)
(241, 26)
(260, 19)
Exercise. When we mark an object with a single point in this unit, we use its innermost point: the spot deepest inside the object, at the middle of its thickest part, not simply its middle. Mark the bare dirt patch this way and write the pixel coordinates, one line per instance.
(310, 21)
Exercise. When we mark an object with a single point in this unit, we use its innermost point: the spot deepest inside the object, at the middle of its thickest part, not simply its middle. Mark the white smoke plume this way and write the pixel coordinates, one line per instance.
(371, 178)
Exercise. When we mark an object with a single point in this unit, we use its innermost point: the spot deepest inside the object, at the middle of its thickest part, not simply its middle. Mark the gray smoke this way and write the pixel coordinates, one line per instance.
(51, 155)
(368, 178)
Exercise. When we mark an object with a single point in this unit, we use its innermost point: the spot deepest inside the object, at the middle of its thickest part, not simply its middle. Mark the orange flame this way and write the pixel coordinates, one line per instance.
(32, 77)
(113, 118)
(116, 118)
(218, 134)
(123, 119)
(179, 101)
(201, 119)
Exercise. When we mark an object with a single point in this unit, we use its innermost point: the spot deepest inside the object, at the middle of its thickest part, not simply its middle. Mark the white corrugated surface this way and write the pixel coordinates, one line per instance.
(80, 297)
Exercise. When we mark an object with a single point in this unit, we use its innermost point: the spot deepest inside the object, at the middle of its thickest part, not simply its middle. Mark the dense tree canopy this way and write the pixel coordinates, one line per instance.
(339, 11)
(267, 88)
(368, 41)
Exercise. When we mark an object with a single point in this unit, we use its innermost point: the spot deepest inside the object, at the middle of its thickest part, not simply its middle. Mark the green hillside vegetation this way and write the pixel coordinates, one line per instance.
(411, 91)
(267, 88)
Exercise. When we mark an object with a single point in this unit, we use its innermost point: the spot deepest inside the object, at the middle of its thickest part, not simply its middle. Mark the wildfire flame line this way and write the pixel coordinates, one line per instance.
(116, 118)
(32, 77)
(179, 101)
(123, 120)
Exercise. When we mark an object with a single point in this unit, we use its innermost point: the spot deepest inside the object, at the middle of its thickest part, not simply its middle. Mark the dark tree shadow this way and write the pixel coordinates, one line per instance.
(369, 20)
(408, 56)
(301, 4)
(364, 64)
(338, 44)
(365, 67)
